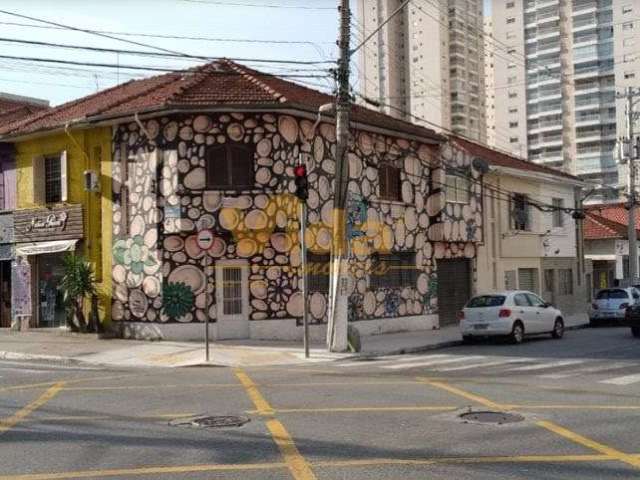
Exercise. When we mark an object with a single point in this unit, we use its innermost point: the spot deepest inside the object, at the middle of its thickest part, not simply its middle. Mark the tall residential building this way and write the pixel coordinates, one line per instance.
(489, 82)
(426, 63)
(560, 64)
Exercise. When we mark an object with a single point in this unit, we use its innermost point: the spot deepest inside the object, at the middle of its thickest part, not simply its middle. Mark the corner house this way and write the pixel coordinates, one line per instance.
(214, 147)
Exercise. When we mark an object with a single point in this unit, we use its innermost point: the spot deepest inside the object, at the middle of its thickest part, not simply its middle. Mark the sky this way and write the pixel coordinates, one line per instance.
(314, 23)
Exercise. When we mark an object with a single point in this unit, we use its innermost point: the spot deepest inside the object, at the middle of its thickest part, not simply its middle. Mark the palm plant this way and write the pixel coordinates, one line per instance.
(77, 284)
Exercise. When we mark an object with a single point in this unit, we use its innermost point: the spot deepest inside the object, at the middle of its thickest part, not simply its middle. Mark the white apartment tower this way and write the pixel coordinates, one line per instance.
(489, 83)
(560, 65)
(426, 63)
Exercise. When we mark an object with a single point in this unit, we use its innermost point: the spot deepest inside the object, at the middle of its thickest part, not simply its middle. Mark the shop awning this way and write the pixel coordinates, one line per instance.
(601, 257)
(37, 248)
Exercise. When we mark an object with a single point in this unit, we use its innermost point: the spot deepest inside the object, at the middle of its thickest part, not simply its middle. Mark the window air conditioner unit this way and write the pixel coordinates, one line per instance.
(91, 181)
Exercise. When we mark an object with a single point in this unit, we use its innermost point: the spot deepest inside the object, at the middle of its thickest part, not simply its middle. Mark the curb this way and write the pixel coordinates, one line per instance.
(437, 346)
(54, 359)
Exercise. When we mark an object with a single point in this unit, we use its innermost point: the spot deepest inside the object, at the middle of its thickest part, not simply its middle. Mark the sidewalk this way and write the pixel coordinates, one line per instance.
(59, 347)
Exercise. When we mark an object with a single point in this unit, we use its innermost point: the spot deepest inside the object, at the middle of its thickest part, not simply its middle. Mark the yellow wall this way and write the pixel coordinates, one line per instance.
(81, 156)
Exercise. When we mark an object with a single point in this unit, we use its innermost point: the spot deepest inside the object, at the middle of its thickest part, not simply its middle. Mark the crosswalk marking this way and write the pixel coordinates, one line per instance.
(543, 366)
(580, 371)
(487, 364)
(432, 362)
(391, 359)
(624, 380)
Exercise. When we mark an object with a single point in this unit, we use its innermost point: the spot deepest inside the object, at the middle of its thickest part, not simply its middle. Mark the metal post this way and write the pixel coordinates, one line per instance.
(303, 278)
(206, 302)
(337, 325)
(632, 233)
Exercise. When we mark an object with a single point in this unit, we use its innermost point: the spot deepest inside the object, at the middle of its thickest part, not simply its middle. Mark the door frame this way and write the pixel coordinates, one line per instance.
(237, 325)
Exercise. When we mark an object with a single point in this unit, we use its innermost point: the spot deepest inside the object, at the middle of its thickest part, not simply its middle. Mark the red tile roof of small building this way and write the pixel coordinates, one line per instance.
(501, 159)
(14, 108)
(607, 220)
(221, 83)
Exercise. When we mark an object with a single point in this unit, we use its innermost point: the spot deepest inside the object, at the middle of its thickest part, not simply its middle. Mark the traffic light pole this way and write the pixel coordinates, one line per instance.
(632, 227)
(302, 192)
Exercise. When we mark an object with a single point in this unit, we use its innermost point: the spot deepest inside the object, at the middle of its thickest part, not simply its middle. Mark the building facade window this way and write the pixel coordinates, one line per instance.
(52, 180)
(520, 212)
(394, 270)
(457, 188)
(558, 214)
(389, 177)
(318, 272)
(230, 167)
(565, 281)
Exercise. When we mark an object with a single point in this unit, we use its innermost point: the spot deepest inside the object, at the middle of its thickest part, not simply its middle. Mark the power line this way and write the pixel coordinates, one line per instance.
(138, 67)
(158, 54)
(178, 37)
(259, 5)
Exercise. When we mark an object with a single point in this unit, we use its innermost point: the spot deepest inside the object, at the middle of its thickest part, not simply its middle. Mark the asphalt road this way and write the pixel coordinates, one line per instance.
(389, 418)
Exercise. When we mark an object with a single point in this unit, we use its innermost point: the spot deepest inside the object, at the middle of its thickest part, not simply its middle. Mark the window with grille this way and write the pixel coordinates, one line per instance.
(230, 167)
(318, 272)
(389, 182)
(232, 290)
(565, 281)
(394, 270)
(52, 180)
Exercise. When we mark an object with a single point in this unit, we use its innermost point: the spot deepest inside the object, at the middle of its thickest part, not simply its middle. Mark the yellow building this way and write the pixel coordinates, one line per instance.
(63, 204)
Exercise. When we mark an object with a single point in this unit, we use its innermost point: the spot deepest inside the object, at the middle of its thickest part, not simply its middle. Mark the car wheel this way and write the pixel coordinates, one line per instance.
(517, 332)
(558, 328)
(467, 339)
(635, 331)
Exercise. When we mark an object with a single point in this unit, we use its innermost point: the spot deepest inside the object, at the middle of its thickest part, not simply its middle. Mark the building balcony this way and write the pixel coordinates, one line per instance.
(595, 120)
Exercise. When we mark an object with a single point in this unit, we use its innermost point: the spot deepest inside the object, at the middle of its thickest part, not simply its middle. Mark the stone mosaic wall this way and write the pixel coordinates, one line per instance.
(159, 273)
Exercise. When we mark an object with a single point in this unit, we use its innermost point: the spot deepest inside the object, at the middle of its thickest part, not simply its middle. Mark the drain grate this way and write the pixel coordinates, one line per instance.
(210, 421)
(498, 418)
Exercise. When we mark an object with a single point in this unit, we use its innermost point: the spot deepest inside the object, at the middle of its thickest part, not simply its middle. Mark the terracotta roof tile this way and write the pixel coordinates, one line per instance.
(220, 83)
(501, 159)
(13, 108)
(597, 227)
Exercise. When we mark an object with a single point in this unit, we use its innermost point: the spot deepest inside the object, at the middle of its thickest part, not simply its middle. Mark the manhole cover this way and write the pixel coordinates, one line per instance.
(210, 421)
(492, 417)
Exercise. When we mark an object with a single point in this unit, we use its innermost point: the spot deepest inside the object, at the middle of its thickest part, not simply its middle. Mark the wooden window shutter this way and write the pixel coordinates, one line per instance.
(241, 159)
(64, 182)
(218, 171)
(382, 174)
(38, 180)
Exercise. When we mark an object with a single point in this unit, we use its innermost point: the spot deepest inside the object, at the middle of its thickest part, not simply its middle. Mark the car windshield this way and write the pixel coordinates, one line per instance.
(606, 294)
(486, 301)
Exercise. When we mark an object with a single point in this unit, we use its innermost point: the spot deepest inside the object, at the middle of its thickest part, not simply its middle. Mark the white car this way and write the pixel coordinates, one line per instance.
(612, 303)
(514, 313)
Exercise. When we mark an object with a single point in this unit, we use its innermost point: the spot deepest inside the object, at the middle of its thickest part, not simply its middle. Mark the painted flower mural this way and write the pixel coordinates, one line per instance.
(178, 300)
(133, 254)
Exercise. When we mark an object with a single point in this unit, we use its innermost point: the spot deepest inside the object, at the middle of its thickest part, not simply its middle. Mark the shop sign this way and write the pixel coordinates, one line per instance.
(44, 224)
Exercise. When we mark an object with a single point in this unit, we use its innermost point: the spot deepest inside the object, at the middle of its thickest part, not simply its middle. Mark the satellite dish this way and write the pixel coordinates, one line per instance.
(481, 165)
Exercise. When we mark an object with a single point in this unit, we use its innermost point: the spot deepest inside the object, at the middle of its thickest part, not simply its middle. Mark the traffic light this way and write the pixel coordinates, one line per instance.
(302, 185)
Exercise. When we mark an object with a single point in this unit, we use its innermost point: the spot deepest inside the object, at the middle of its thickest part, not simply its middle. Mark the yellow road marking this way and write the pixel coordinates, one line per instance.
(28, 386)
(462, 393)
(550, 426)
(182, 469)
(442, 460)
(297, 464)
(13, 420)
(70, 418)
(572, 407)
(409, 408)
(587, 442)
(154, 387)
(117, 472)
(262, 406)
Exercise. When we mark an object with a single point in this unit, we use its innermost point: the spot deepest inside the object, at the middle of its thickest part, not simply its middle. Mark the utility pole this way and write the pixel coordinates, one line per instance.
(633, 156)
(338, 308)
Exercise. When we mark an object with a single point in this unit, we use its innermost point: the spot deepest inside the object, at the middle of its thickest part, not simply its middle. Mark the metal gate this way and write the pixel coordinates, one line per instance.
(454, 288)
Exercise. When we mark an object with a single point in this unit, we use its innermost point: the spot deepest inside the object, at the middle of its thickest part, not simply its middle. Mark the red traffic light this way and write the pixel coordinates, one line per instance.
(300, 171)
